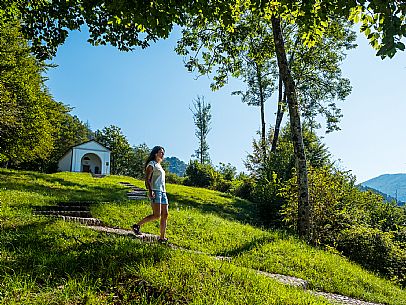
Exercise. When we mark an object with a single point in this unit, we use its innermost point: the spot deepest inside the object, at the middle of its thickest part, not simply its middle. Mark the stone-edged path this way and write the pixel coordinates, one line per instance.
(80, 212)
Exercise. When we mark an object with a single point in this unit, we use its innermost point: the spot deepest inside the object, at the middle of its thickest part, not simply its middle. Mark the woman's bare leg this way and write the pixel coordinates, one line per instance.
(164, 218)
(156, 213)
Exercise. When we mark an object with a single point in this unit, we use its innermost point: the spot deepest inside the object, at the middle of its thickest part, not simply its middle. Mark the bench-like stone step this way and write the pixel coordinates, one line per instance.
(82, 220)
(85, 214)
(127, 184)
(137, 197)
(75, 203)
(98, 176)
(137, 193)
(62, 208)
(138, 189)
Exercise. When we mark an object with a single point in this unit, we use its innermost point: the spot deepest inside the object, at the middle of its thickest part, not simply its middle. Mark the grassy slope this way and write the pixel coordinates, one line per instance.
(47, 261)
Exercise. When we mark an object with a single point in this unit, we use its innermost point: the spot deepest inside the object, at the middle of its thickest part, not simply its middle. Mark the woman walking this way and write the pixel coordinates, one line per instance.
(155, 183)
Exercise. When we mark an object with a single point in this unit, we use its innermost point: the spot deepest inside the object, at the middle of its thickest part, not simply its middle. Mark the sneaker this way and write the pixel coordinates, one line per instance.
(162, 240)
(137, 229)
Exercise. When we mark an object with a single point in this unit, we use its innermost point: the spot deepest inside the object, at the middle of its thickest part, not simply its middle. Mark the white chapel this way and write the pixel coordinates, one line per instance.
(90, 157)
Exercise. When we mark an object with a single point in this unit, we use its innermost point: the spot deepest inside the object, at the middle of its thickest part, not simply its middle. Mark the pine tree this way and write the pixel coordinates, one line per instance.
(202, 119)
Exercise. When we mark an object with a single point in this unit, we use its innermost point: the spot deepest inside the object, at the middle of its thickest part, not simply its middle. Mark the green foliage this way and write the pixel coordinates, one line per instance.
(35, 130)
(359, 224)
(282, 162)
(27, 111)
(69, 131)
(72, 131)
(332, 208)
(205, 175)
(228, 171)
(375, 250)
(121, 152)
(201, 175)
(383, 23)
(266, 194)
(136, 163)
(244, 187)
(173, 178)
(202, 120)
(317, 72)
(248, 53)
(126, 26)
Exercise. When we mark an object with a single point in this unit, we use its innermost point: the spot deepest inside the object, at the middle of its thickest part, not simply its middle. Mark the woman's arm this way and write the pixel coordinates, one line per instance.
(148, 178)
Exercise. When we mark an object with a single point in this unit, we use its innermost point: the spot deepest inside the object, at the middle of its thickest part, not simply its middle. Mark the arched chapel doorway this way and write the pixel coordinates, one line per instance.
(91, 163)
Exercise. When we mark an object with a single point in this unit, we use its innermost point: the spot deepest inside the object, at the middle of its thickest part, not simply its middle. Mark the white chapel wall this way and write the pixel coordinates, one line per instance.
(65, 162)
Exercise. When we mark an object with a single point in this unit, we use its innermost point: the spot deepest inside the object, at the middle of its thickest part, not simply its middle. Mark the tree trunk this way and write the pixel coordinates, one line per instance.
(201, 147)
(279, 115)
(304, 208)
(282, 101)
(262, 104)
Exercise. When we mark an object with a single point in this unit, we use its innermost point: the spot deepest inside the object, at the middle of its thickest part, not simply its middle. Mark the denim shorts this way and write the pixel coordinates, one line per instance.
(160, 197)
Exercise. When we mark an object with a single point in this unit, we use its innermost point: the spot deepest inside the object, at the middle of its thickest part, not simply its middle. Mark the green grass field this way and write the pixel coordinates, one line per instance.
(44, 260)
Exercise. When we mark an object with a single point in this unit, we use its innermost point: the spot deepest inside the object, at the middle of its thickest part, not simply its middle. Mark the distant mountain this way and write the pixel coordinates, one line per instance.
(393, 185)
(386, 197)
(176, 166)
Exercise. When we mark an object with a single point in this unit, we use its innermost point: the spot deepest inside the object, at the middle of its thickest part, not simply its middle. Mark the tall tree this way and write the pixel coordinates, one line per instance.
(202, 119)
(304, 207)
(28, 114)
(121, 151)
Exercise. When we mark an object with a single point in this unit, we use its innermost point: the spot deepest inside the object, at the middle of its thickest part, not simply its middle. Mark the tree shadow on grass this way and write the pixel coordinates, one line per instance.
(72, 191)
(248, 246)
(52, 258)
(237, 210)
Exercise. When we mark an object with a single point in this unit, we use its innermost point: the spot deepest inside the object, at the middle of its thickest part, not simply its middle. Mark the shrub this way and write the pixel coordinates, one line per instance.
(201, 175)
(336, 204)
(359, 224)
(266, 194)
(243, 187)
(374, 250)
(222, 185)
(173, 178)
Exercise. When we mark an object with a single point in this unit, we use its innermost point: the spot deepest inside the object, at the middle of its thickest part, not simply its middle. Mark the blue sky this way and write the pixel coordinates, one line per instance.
(147, 93)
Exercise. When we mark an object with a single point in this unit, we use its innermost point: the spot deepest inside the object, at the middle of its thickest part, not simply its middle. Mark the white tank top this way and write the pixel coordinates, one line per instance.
(158, 176)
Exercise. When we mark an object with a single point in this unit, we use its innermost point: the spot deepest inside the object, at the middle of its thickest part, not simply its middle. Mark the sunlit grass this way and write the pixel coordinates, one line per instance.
(47, 261)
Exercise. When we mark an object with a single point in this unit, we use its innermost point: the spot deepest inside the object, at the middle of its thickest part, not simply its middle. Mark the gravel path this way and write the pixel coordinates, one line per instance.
(340, 299)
